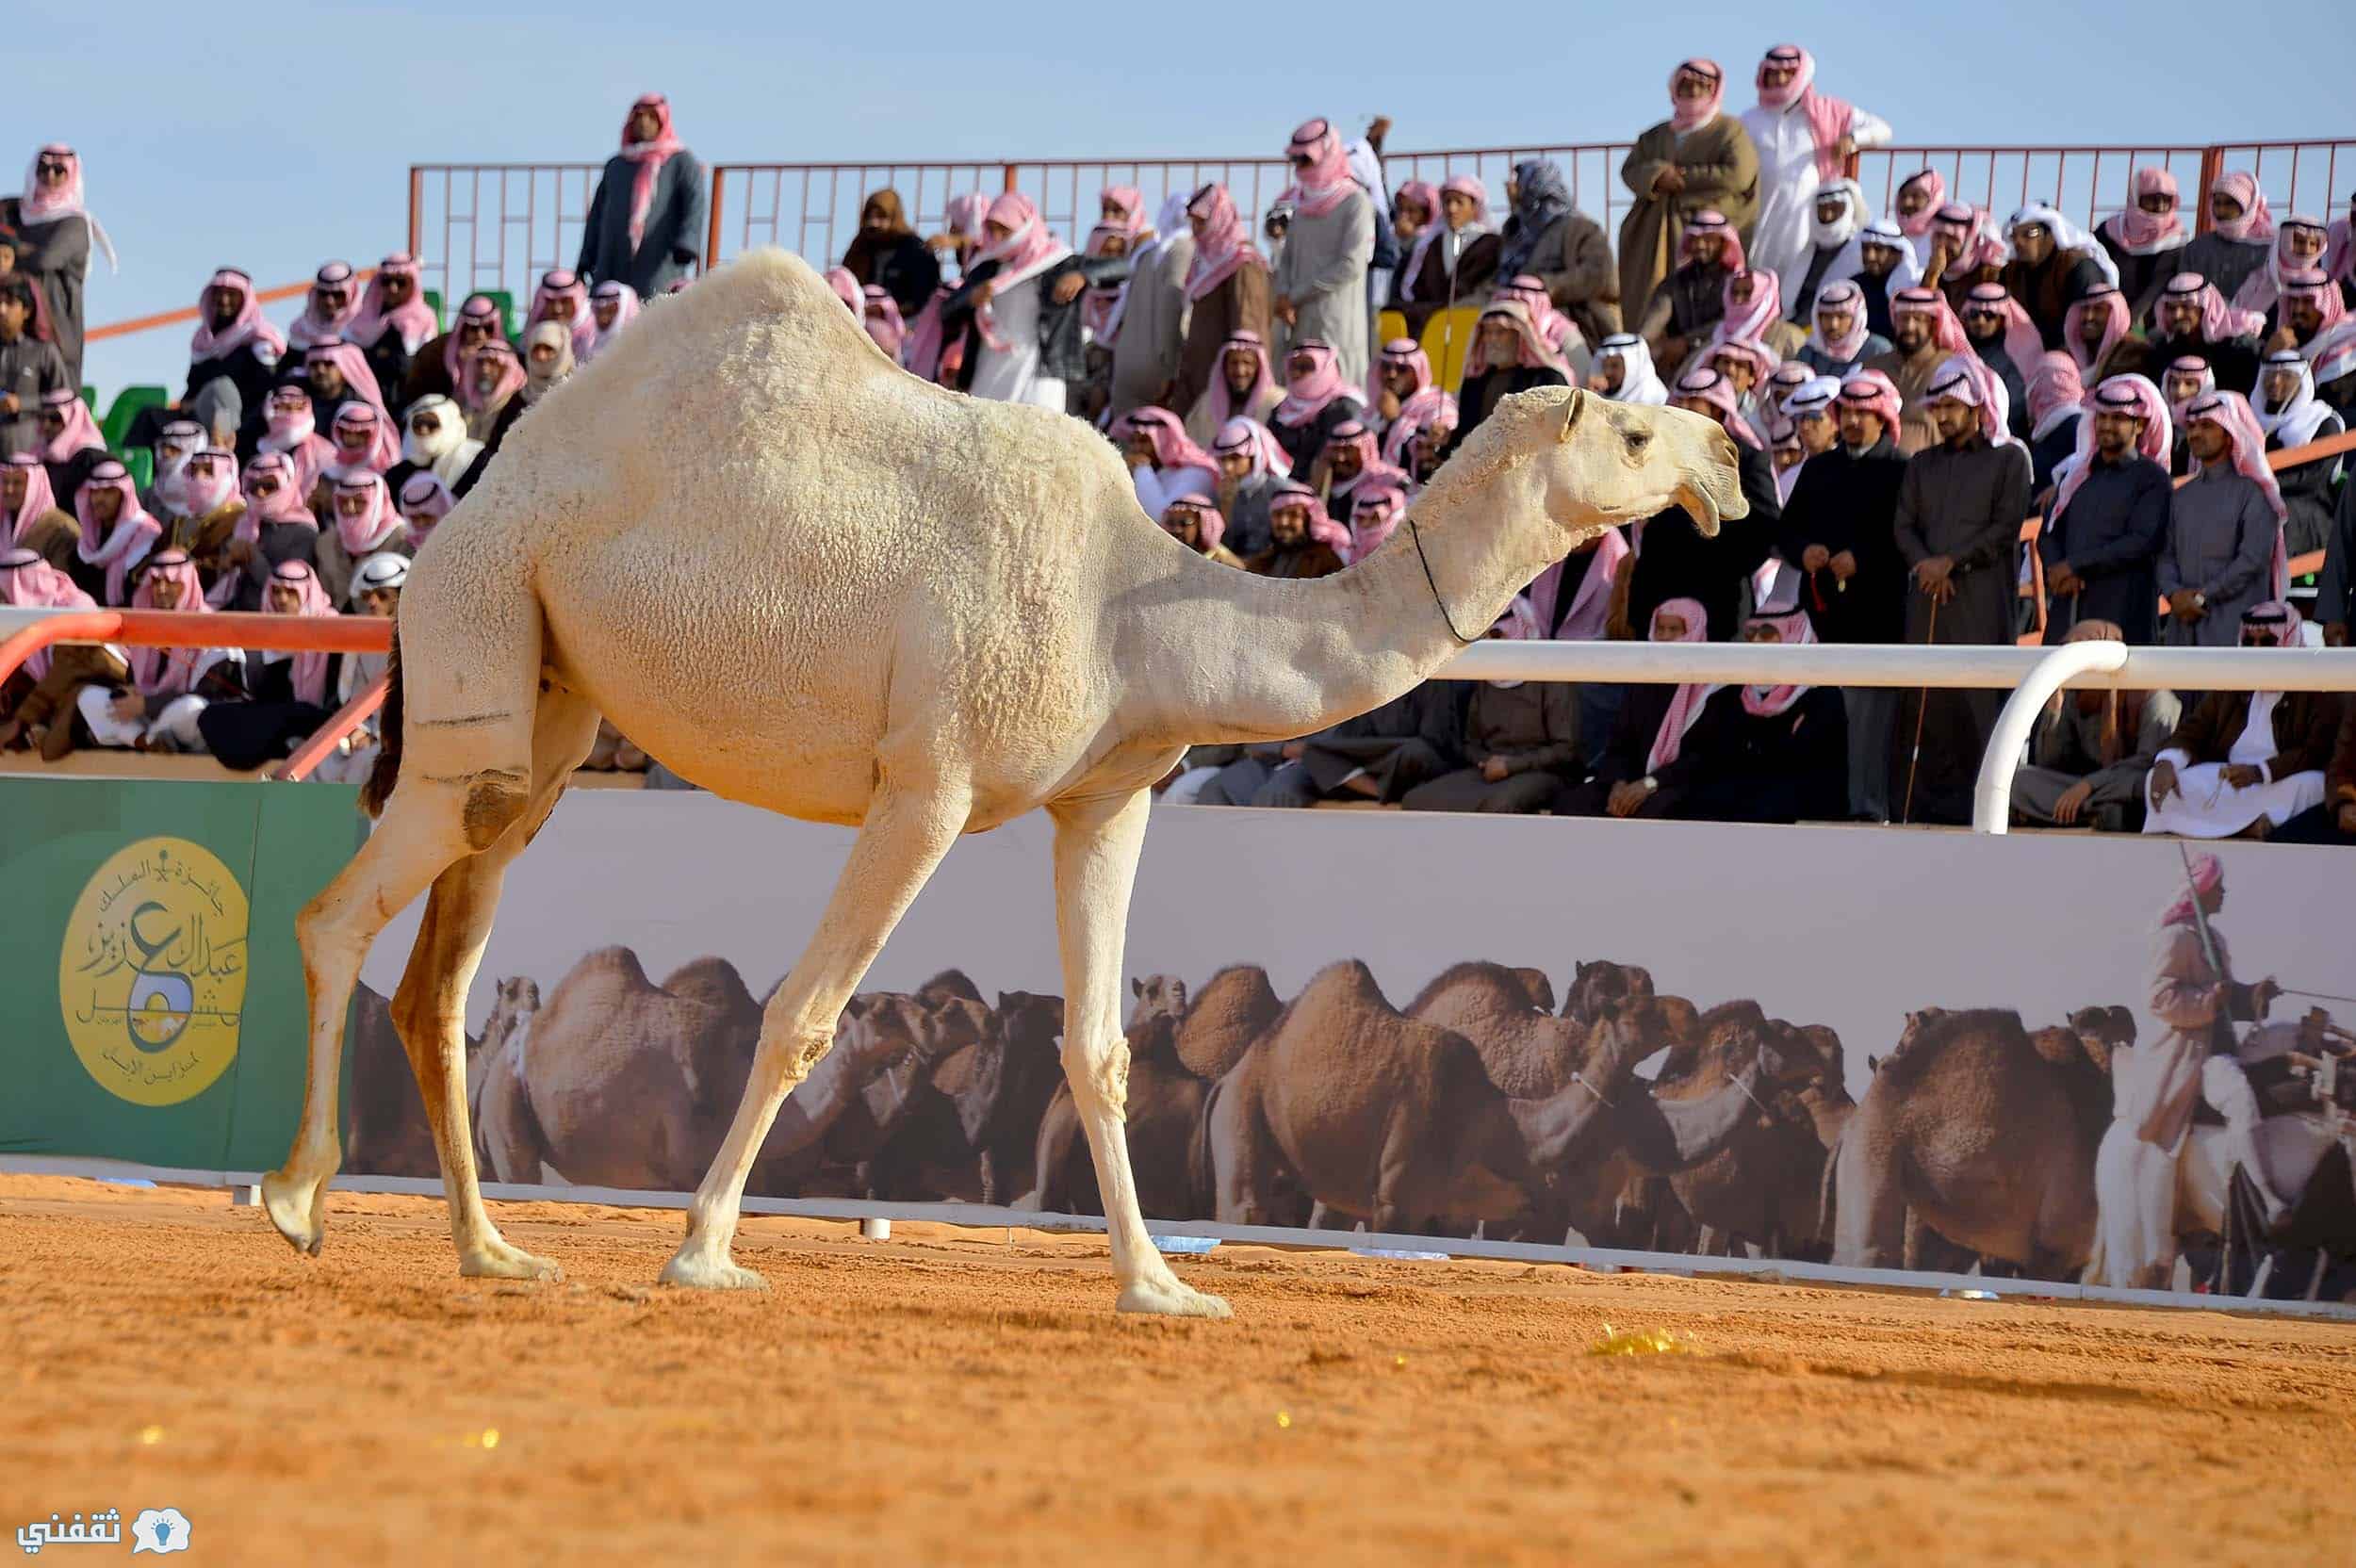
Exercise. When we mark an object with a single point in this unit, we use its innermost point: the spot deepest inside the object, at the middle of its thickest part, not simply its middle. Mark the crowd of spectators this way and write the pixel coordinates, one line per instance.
(1904, 390)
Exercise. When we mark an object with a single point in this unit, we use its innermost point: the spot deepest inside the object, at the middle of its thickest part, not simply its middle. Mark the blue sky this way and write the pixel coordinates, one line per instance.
(274, 135)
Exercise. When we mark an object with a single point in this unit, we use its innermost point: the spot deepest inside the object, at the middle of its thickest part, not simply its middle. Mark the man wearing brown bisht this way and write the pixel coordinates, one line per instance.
(1696, 160)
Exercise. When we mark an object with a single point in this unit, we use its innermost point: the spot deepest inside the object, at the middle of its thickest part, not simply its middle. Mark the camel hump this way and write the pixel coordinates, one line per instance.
(1507, 983)
(949, 983)
(1235, 1007)
(1932, 1031)
(612, 966)
(713, 982)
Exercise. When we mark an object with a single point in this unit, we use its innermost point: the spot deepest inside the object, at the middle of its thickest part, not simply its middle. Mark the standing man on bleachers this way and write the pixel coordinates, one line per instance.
(646, 223)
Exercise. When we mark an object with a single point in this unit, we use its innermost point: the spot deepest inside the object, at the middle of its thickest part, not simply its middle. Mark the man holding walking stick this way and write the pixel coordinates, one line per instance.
(1960, 506)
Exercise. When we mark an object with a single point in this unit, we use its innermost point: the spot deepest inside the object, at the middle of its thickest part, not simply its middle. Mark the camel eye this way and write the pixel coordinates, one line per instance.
(1637, 440)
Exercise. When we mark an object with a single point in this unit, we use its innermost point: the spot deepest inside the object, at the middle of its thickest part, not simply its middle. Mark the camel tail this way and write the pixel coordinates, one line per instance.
(379, 789)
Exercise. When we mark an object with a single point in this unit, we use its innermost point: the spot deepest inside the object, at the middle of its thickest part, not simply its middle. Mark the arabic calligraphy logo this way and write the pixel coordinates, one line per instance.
(151, 976)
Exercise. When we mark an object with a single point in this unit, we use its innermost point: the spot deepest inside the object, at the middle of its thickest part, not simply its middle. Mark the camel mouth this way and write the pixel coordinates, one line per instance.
(1702, 507)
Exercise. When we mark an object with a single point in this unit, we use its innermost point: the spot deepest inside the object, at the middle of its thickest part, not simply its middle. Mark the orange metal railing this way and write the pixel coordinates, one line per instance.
(190, 313)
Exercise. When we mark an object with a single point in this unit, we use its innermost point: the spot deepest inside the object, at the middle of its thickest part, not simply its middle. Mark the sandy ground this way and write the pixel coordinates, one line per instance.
(961, 1395)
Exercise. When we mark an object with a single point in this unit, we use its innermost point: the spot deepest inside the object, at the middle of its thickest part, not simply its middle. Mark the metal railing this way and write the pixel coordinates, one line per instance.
(496, 227)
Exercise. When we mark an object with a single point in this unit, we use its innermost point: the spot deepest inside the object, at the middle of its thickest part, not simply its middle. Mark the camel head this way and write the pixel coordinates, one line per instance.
(1017, 1057)
(516, 1004)
(888, 1028)
(1540, 988)
(2103, 1030)
(1603, 463)
(1602, 984)
(1157, 996)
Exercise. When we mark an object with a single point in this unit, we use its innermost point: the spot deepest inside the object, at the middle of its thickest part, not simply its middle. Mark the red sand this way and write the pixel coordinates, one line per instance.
(952, 1396)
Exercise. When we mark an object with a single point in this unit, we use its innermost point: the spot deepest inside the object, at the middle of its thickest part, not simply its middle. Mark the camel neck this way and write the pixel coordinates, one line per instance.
(1271, 659)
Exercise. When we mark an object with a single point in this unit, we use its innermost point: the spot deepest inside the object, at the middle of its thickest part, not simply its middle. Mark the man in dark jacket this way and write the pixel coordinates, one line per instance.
(1378, 756)
(1062, 349)
(2335, 591)
(2046, 279)
(1674, 561)
(28, 367)
(2101, 547)
(2334, 821)
(1838, 530)
(646, 223)
(232, 364)
(2183, 318)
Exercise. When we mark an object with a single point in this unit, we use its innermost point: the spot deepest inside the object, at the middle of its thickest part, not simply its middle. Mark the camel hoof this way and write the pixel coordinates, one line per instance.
(296, 1206)
(1167, 1297)
(691, 1273)
(497, 1260)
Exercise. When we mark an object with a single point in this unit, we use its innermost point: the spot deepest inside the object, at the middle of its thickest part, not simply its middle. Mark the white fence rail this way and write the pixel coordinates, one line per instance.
(2031, 675)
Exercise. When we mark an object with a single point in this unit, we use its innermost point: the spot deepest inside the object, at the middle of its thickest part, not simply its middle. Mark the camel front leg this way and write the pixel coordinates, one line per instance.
(906, 834)
(1096, 864)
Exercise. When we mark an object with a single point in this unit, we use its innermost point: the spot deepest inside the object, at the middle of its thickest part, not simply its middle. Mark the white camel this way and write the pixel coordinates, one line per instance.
(809, 581)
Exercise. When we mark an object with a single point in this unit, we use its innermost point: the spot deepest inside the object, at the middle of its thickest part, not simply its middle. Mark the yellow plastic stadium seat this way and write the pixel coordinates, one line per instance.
(1388, 325)
(1448, 337)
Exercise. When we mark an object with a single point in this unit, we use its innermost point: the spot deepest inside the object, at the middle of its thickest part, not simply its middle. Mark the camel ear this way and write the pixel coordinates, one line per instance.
(1576, 407)
(1872, 1065)
(1137, 987)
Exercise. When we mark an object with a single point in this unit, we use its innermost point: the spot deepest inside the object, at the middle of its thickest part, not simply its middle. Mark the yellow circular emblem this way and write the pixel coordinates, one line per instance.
(152, 976)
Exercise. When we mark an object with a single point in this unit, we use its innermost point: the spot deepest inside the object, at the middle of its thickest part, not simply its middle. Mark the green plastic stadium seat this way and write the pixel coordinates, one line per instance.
(433, 304)
(128, 405)
(508, 313)
(141, 462)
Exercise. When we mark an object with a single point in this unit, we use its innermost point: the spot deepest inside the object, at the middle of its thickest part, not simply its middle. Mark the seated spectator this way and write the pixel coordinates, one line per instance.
(167, 688)
(2333, 822)
(2045, 275)
(434, 441)
(2146, 238)
(117, 533)
(1674, 748)
(2103, 540)
(1879, 262)
(376, 584)
(1840, 531)
(393, 321)
(490, 395)
(2299, 247)
(1402, 374)
(1625, 373)
(1791, 742)
(1017, 313)
(361, 441)
(177, 441)
(613, 305)
(70, 445)
(425, 500)
(1919, 197)
(1316, 399)
(1746, 368)
(1842, 342)
(1698, 163)
(1427, 449)
(1243, 389)
(366, 522)
(1512, 357)
(278, 525)
(1351, 463)
(1163, 465)
(1378, 756)
(887, 253)
(291, 433)
(879, 314)
(1554, 329)
(1547, 237)
(1838, 213)
(2245, 763)
(1964, 254)
(2093, 750)
(548, 359)
(1990, 316)
(561, 297)
(2095, 330)
(329, 307)
(208, 512)
(2241, 233)
(2224, 550)
(1693, 299)
(40, 703)
(440, 367)
(337, 375)
(286, 694)
(1451, 262)
(1195, 522)
(2315, 321)
(2193, 318)
(1303, 541)
(1788, 378)
(2055, 398)
(29, 368)
(1225, 286)
(1960, 507)
(30, 517)
(1251, 467)
(2291, 415)
(1520, 744)
(646, 222)
(847, 288)
(1802, 137)
(1753, 313)
(1416, 415)
(1927, 334)
(1673, 561)
(1375, 510)
(233, 361)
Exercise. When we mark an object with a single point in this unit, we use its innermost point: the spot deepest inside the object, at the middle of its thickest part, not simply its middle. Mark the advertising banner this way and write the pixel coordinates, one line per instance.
(156, 1011)
(1874, 1050)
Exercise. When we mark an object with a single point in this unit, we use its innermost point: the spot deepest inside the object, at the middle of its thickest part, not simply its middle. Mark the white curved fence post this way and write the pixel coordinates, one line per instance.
(1992, 805)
